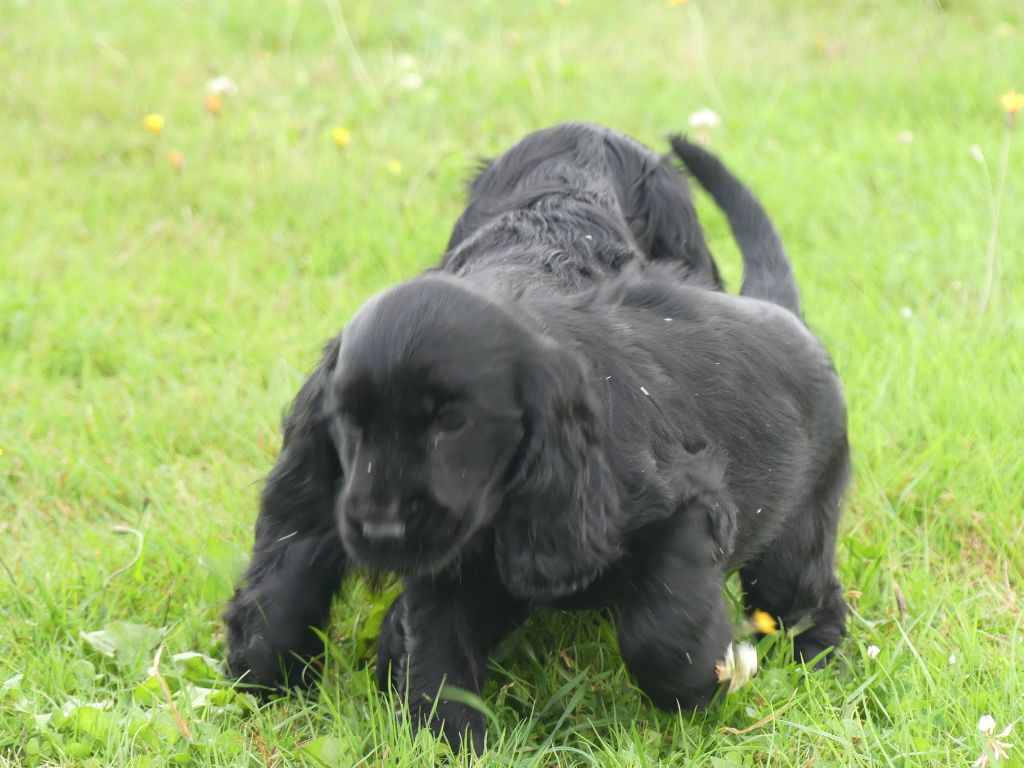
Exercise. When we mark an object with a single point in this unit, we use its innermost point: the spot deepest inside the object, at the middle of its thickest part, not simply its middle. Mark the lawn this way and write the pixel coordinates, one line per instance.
(162, 295)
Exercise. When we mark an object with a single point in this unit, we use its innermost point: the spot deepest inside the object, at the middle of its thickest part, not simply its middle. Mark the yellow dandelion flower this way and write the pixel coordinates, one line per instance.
(154, 122)
(342, 137)
(1012, 102)
(213, 104)
(394, 167)
(764, 622)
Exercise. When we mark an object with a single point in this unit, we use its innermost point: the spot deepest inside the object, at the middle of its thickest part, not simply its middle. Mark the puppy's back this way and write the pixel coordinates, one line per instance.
(642, 198)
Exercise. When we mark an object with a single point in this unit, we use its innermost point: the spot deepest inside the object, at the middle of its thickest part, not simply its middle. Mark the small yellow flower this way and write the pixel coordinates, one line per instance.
(394, 167)
(154, 122)
(176, 159)
(1012, 102)
(764, 622)
(341, 136)
(213, 104)
(677, 3)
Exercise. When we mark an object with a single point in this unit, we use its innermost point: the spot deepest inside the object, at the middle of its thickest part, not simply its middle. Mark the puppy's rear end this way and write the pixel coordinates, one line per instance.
(793, 578)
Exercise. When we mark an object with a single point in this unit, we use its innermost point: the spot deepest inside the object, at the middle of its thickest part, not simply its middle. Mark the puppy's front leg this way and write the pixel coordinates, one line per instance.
(674, 626)
(286, 596)
(448, 626)
(297, 560)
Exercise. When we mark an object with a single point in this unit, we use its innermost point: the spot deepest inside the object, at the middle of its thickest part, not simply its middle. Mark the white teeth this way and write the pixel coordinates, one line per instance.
(387, 530)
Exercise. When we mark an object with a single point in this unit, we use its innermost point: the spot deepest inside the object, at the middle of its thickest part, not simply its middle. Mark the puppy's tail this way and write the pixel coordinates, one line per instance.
(766, 270)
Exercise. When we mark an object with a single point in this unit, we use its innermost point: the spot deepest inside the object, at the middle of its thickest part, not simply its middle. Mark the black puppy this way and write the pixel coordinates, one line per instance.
(563, 209)
(507, 445)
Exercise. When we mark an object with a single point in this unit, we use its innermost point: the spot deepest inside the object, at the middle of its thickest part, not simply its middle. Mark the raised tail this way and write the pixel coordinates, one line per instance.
(766, 270)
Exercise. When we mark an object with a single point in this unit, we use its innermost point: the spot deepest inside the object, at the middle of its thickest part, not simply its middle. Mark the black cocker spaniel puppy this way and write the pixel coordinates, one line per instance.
(567, 412)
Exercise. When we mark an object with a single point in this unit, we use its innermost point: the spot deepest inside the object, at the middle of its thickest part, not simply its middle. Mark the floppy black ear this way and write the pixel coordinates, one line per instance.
(300, 488)
(559, 525)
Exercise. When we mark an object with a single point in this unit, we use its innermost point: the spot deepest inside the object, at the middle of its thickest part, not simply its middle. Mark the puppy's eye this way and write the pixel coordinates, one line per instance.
(450, 420)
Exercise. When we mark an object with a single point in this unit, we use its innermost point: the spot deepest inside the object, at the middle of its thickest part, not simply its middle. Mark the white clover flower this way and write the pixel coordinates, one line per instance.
(411, 81)
(952, 658)
(873, 651)
(995, 749)
(221, 86)
(987, 724)
(704, 119)
(738, 666)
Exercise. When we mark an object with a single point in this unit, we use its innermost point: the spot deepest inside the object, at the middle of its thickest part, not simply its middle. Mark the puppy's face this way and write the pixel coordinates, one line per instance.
(423, 411)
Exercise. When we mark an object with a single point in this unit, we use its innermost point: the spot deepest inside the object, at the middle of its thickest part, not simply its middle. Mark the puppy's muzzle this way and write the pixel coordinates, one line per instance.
(379, 524)
(383, 531)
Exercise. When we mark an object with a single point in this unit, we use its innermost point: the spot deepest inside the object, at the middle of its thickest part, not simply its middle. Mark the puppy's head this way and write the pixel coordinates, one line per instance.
(423, 410)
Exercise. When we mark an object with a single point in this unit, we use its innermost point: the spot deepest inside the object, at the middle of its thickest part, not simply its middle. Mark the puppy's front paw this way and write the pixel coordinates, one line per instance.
(250, 657)
(461, 726)
(460, 729)
(391, 650)
(263, 655)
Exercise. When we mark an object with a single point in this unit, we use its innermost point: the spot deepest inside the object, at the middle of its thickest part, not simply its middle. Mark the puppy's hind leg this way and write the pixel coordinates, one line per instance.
(795, 579)
(660, 213)
(674, 626)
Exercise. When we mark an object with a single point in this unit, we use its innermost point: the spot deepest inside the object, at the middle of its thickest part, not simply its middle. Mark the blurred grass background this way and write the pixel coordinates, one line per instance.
(162, 296)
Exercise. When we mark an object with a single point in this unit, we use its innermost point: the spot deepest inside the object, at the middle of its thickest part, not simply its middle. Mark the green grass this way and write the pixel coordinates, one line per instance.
(154, 325)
